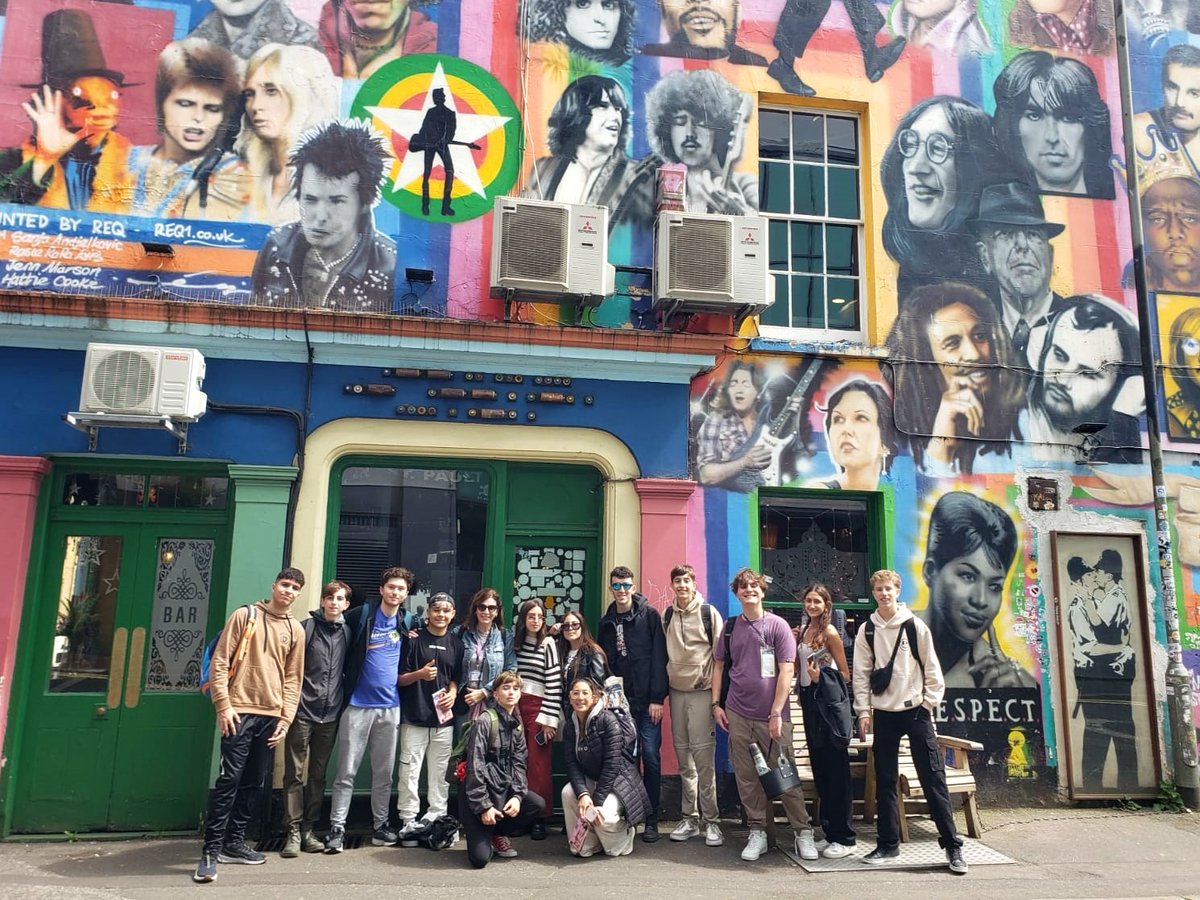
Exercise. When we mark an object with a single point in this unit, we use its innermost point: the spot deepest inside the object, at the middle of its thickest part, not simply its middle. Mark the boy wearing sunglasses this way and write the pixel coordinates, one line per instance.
(631, 635)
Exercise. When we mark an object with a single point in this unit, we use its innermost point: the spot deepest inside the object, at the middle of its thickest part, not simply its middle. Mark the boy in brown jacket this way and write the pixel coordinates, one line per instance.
(254, 710)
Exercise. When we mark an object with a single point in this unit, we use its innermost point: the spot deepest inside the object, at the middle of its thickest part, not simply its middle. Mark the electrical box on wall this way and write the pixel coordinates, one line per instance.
(711, 264)
(120, 379)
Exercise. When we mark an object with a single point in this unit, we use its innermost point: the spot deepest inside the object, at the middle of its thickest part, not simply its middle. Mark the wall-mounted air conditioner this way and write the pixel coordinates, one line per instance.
(125, 380)
(543, 250)
(711, 263)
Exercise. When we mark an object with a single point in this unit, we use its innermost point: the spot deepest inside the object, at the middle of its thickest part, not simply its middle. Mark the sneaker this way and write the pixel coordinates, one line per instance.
(958, 865)
(241, 853)
(206, 869)
(821, 845)
(712, 835)
(384, 837)
(503, 847)
(538, 831)
(650, 833)
(291, 847)
(310, 843)
(881, 855)
(688, 828)
(407, 834)
(837, 851)
(337, 839)
(756, 846)
(805, 847)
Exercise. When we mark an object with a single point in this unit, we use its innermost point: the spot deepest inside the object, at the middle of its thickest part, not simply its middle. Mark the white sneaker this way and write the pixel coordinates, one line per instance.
(688, 828)
(837, 851)
(806, 848)
(821, 844)
(712, 835)
(756, 846)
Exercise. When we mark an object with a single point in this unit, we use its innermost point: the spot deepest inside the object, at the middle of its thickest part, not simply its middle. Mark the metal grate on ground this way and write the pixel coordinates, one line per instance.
(922, 852)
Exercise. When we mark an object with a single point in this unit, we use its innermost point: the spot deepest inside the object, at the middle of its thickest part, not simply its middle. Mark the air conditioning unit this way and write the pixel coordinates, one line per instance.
(543, 250)
(711, 263)
(120, 379)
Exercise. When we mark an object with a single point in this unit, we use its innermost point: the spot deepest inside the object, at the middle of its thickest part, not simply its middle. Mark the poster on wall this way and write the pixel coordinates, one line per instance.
(1109, 746)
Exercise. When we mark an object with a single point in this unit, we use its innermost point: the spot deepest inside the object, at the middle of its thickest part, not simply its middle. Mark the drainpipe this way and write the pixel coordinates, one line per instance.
(1179, 691)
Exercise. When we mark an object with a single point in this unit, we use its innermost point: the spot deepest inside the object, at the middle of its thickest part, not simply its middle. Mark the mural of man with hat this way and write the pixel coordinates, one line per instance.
(1014, 247)
(75, 159)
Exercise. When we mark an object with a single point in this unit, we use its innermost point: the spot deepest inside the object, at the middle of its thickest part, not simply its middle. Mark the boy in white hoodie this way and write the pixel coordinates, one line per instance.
(903, 708)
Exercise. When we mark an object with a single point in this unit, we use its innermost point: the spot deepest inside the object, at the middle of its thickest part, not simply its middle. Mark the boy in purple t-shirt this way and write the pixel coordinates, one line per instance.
(760, 651)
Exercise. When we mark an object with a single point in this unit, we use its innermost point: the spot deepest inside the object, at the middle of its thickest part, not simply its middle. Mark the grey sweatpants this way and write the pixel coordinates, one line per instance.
(361, 730)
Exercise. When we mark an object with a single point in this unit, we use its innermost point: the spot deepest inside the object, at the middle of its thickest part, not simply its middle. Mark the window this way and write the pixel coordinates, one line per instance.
(810, 191)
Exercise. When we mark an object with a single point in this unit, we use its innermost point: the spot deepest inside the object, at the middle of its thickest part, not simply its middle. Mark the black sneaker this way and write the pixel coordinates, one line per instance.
(384, 837)
(241, 853)
(336, 841)
(650, 833)
(206, 869)
(954, 856)
(881, 855)
(538, 832)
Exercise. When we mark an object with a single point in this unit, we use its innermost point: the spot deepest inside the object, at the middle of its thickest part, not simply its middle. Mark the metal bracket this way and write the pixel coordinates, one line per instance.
(90, 424)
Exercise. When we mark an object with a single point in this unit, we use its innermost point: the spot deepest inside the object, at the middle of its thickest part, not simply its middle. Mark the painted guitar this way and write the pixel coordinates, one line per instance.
(775, 436)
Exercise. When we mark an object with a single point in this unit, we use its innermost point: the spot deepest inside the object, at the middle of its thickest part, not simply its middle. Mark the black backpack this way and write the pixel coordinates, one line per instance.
(881, 676)
(706, 614)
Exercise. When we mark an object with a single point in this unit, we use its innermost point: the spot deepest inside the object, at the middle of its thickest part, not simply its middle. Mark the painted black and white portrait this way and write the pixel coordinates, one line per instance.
(1053, 126)
(600, 30)
(703, 29)
(728, 452)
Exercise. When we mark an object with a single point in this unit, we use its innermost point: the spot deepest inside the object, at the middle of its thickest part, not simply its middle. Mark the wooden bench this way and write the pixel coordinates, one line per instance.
(861, 767)
(959, 779)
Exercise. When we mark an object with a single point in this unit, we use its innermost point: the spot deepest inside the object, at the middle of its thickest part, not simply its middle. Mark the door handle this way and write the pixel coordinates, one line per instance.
(116, 666)
(133, 678)
(101, 712)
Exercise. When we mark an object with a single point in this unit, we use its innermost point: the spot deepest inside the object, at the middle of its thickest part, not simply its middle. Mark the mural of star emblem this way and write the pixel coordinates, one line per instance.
(470, 129)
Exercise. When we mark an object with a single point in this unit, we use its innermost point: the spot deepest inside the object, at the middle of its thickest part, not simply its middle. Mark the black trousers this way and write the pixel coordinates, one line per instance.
(479, 836)
(831, 774)
(1107, 706)
(245, 760)
(800, 20)
(917, 725)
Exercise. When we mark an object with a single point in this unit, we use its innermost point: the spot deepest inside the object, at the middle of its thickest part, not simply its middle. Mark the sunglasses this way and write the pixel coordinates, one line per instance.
(622, 585)
(571, 626)
(488, 607)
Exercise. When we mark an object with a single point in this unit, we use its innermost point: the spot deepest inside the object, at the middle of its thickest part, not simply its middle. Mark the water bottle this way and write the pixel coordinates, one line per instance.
(760, 762)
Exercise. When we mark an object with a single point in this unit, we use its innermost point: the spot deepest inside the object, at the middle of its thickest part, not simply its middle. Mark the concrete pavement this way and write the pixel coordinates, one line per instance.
(1059, 853)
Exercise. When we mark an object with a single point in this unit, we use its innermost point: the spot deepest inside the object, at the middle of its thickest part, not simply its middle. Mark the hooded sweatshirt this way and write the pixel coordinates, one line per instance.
(689, 652)
(908, 688)
(267, 683)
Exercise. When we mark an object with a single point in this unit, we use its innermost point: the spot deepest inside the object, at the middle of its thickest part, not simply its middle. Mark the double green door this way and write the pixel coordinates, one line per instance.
(116, 735)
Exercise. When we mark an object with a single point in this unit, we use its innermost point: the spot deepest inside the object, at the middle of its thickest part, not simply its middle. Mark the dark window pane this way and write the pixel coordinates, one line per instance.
(807, 253)
(843, 193)
(773, 187)
(843, 140)
(772, 134)
(188, 492)
(777, 244)
(808, 137)
(841, 250)
(843, 303)
(777, 313)
(808, 197)
(103, 489)
(808, 302)
(803, 540)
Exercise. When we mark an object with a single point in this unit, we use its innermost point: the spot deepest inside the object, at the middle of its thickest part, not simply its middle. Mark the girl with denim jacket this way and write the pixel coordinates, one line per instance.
(487, 651)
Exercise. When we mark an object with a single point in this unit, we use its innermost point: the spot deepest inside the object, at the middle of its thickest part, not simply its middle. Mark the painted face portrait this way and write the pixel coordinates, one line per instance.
(711, 24)
(1181, 96)
(692, 141)
(930, 174)
(1049, 7)
(374, 16)
(1171, 209)
(855, 439)
(330, 210)
(192, 117)
(267, 106)
(1020, 259)
(742, 392)
(961, 345)
(1079, 375)
(91, 106)
(593, 23)
(1053, 143)
(966, 593)
(928, 9)
(236, 9)
(604, 129)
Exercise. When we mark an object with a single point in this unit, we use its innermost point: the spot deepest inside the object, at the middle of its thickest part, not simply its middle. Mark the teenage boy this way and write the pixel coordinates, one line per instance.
(310, 740)
(759, 650)
(904, 707)
(692, 629)
(430, 674)
(254, 710)
(631, 635)
(372, 718)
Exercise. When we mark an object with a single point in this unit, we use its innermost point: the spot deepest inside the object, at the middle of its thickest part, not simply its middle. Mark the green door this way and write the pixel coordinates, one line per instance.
(117, 736)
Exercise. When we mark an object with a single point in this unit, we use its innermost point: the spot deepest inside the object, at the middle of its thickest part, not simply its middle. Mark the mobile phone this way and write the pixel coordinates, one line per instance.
(540, 737)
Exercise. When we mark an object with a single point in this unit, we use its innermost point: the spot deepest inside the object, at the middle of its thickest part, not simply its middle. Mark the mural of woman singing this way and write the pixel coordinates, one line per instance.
(971, 546)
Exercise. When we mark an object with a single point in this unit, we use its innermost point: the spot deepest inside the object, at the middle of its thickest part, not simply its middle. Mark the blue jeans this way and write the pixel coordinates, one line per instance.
(650, 749)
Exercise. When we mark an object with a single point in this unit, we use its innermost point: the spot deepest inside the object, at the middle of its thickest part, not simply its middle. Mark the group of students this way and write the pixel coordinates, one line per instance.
(371, 677)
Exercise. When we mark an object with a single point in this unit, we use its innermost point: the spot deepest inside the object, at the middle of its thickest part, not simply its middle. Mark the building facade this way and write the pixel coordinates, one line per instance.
(947, 382)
